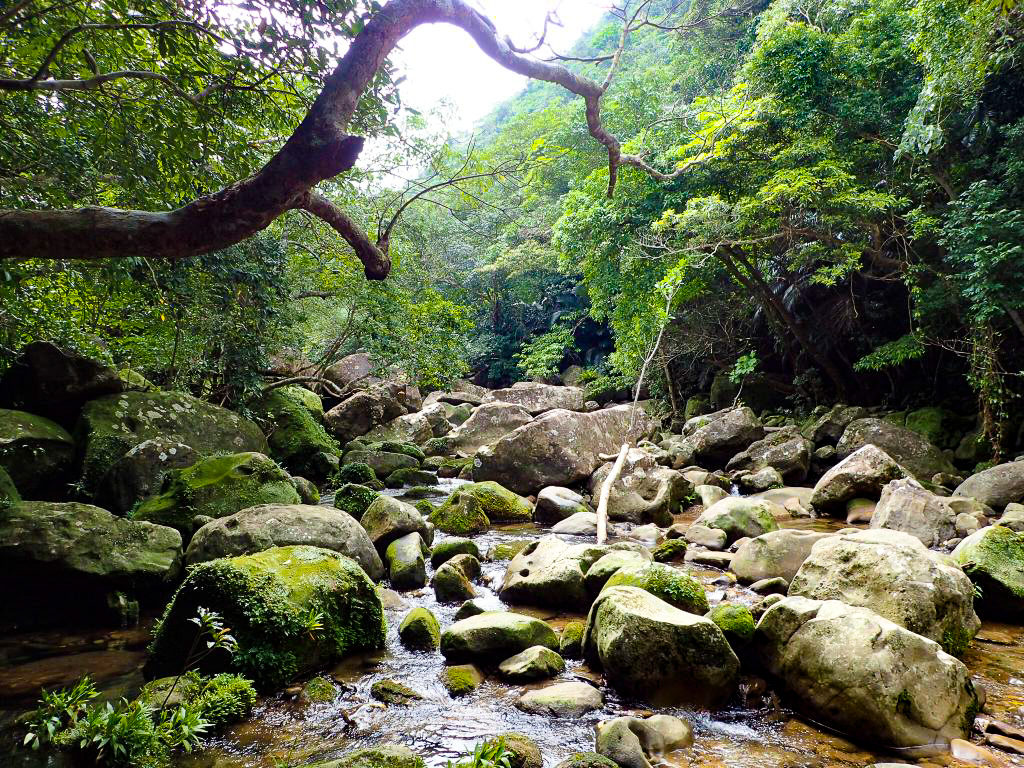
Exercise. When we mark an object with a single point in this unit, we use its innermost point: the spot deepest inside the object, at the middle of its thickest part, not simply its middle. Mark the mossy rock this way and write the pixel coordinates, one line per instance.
(308, 492)
(420, 630)
(8, 492)
(461, 679)
(310, 400)
(36, 453)
(993, 559)
(670, 584)
(384, 756)
(587, 759)
(355, 472)
(669, 551)
(111, 426)
(134, 380)
(319, 690)
(450, 547)
(222, 700)
(418, 492)
(383, 463)
(424, 507)
(437, 446)
(736, 622)
(506, 550)
(392, 446)
(522, 750)
(294, 431)
(354, 499)
(499, 503)
(937, 425)
(216, 487)
(267, 600)
(410, 476)
(460, 515)
(570, 642)
(393, 692)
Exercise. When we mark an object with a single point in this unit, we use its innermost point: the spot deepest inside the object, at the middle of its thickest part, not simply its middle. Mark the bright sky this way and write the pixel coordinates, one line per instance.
(441, 62)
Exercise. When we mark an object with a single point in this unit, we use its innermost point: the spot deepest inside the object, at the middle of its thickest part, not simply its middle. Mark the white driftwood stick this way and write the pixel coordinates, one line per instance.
(606, 490)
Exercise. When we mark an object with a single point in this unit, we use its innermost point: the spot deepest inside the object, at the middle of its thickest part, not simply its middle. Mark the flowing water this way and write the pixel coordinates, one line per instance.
(757, 732)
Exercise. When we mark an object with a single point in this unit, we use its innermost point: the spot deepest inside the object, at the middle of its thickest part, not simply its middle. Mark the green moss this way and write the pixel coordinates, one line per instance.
(310, 400)
(393, 692)
(570, 642)
(424, 507)
(354, 499)
(506, 550)
(410, 476)
(295, 434)
(437, 446)
(418, 492)
(355, 472)
(35, 452)
(461, 679)
(993, 559)
(319, 690)
(450, 547)
(386, 756)
(420, 630)
(266, 599)
(498, 503)
(392, 446)
(135, 380)
(669, 550)
(670, 584)
(735, 621)
(217, 487)
(903, 703)
(460, 515)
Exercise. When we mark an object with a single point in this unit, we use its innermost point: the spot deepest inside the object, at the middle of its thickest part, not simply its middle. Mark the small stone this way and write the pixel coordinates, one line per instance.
(393, 692)
(534, 663)
(461, 679)
(1005, 743)
(971, 753)
(570, 699)
(419, 630)
(776, 586)
(714, 559)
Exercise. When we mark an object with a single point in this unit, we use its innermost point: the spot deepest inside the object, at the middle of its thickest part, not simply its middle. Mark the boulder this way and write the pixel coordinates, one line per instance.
(487, 424)
(1013, 517)
(111, 426)
(537, 398)
(266, 599)
(461, 392)
(387, 519)
(828, 428)
(352, 369)
(549, 572)
(65, 562)
(420, 630)
(645, 491)
(55, 383)
(141, 472)
(498, 503)
(282, 525)
(535, 663)
(217, 487)
(294, 431)
(406, 565)
(460, 515)
(906, 506)
(909, 449)
(408, 428)
(630, 741)
(653, 651)
(862, 474)
(36, 453)
(382, 462)
(580, 524)
(714, 539)
(556, 503)
(894, 575)
(494, 635)
(741, 517)
(354, 416)
(863, 674)
(735, 621)
(997, 486)
(450, 547)
(390, 755)
(461, 679)
(785, 451)
(709, 494)
(776, 554)
(452, 582)
(603, 568)
(993, 558)
(560, 448)
(722, 436)
(354, 499)
(676, 587)
(8, 492)
(766, 479)
(572, 699)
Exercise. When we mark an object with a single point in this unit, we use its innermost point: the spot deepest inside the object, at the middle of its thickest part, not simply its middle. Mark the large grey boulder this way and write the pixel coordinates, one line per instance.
(352, 369)
(903, 445)
(550, 573)
(862, 474)
(488, 423)
(66, 562)
(537, 398)
(645, 492)
(354, 416)
(280, 525)
(722, 436)
(785, 451)
(865, 675)
(993, 558)
(906, 506)
(741, 517)
(828, 428)
(777, 554)
(997, 486)
(556, 503)
(387, 519)
(493, 636)
(650, 650)
(559, 448)
(894, 575)
(409, 428)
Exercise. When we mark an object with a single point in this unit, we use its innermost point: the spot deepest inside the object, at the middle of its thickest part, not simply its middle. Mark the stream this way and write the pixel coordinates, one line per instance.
(755, 732)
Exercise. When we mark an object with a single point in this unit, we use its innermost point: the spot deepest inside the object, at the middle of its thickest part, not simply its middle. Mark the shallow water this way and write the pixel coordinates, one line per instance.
(756, 733)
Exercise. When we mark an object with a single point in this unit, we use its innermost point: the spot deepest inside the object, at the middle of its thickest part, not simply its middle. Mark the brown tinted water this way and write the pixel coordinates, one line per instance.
(757, 731)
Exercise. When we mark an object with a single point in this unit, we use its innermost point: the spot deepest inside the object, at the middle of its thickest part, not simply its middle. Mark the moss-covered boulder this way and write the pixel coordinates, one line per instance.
(65, 562)
(495, 635)
(393, 692)
(355, 499)
(658, 653)
(450, 547)
(736, 622)
(742, 517)
(452, 580)
(294, 431)
(461, 515)
(420, 630)
(672, 585)
(37, 454)
(8, 491)
(111, 426)
(355, 472)
(534, 663)
(410, 476)
(216, 487)
(221, 700)
(499, 503)
(669, 551)
(387, 519)
(461, 679)
(133, 379)
(570, 642)
(383, 756)
(993, 558)
(267, 599)
(383, 463)
(406, 565)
